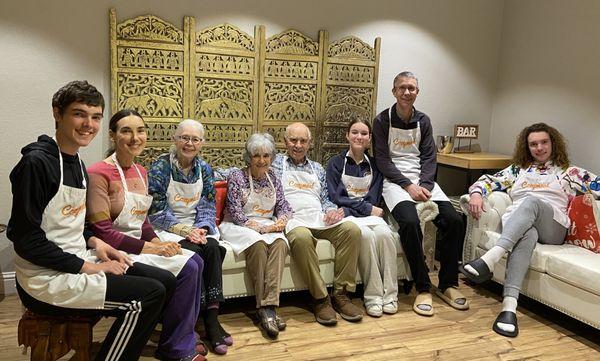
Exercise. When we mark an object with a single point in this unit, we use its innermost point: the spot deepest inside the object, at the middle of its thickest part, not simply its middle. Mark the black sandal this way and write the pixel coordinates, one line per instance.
(509, 318)
(485, 274)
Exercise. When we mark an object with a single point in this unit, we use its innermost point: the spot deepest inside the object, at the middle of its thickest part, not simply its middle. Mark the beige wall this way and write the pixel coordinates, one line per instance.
(452, 46)
(549, 71)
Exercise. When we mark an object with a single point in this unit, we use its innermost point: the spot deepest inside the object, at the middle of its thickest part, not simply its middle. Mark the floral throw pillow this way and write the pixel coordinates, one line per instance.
(585, 220)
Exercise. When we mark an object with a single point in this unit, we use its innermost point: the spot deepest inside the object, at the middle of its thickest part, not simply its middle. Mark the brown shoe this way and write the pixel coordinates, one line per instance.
(324, 313)
(344, 306)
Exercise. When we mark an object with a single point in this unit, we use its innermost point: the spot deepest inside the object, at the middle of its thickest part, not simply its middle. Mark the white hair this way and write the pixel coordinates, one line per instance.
(259, 142)
(192, 123)
(287, 130)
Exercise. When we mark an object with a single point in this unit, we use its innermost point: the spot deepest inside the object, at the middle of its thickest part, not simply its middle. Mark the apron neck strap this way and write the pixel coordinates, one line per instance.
(114, 158)
(346, 161)
(251, 180)
(60, 163)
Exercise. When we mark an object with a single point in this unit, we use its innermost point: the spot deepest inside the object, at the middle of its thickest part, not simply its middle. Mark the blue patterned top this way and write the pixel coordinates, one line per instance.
(160, 214)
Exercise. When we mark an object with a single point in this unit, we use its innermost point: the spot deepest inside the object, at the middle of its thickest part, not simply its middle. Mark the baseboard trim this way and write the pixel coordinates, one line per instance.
(9, 283)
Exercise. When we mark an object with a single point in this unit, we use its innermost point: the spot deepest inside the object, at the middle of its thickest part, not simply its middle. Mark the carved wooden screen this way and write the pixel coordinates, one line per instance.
(149, 62)
(350, 91)
(291, 83)
(236, 84)
(225, 75)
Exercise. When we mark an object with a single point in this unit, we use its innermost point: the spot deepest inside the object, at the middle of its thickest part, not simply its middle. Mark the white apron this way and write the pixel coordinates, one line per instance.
(259, 207)
(303, 192)
(357, 188)
(63, 222)
(131, 219)
(404, 151)
(544, 186)
(183, 198)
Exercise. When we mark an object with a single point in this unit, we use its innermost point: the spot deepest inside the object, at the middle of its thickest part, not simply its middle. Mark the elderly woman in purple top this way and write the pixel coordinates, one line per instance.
(256, 214)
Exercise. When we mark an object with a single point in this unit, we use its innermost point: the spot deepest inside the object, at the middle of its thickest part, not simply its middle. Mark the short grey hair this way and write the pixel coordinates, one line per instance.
(406, 74)
(259, 142)
(192, 123)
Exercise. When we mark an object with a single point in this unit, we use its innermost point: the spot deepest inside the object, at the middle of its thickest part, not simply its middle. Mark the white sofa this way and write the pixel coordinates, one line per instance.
(237, 283)
(564, 277)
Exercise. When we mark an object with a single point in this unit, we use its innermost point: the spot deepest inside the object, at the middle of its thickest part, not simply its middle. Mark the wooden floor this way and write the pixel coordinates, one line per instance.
(449, 335)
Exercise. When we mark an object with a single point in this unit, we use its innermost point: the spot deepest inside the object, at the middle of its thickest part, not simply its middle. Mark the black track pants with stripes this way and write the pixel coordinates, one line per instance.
(136, 303)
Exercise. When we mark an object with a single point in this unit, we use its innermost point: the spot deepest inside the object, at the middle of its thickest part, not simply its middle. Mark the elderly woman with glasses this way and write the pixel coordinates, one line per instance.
(183, 210)
(256, 215)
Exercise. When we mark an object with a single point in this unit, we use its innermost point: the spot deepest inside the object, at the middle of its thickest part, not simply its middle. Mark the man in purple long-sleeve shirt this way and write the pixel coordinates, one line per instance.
(405, 154)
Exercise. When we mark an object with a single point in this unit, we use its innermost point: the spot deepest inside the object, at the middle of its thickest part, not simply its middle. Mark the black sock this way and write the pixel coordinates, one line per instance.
(212, 326)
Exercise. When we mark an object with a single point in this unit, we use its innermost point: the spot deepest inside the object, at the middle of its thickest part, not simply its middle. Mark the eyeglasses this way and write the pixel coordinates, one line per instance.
(403, 89)
(188, 139)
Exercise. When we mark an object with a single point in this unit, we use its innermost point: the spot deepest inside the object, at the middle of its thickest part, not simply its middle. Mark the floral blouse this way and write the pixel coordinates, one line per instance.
(238, 190)
(573, 179)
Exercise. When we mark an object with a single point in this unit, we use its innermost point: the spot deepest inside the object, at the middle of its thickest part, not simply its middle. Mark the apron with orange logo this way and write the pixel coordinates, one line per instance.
(303, 192)
(544, 186)
(259, 207)
(131, 219)
(182, 199)
(404, 152)
(357, 188)
(63, 221)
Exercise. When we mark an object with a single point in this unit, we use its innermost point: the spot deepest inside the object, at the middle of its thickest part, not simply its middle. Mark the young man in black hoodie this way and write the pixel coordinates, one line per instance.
(61, 270)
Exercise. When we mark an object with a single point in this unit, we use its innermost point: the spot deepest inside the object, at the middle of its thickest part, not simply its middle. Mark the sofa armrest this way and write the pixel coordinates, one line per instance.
(491, 220)
(499, 201)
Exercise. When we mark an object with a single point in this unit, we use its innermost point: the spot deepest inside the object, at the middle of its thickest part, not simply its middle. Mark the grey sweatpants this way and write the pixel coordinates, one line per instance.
(530, 223)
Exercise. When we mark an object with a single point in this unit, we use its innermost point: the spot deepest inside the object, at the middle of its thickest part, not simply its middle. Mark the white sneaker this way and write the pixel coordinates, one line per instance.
(374, 310)
(391, 307)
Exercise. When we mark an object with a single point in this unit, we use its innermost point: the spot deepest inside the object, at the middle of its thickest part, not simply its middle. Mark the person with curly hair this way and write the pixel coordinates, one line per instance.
(541, 182)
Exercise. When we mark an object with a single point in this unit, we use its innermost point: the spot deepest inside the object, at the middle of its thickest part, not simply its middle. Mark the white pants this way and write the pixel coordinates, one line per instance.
(377, 265)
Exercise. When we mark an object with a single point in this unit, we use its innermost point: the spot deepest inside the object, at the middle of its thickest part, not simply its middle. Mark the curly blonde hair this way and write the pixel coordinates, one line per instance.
(522, 156)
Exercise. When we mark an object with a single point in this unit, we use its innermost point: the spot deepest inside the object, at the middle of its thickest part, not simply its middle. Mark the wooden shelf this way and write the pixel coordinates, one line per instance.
(481, 160)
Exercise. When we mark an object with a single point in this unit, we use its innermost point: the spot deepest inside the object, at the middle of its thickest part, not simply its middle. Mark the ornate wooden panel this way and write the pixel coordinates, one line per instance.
(149, 67)
(224, 77)
(290, 85)
(236, 83)
(349, 91)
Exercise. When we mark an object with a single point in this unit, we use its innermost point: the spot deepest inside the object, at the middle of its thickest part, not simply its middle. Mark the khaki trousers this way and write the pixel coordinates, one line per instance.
(345, 238)
(265, 263)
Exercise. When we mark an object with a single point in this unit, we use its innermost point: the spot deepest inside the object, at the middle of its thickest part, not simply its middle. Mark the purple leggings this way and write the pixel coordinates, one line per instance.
(177, 338)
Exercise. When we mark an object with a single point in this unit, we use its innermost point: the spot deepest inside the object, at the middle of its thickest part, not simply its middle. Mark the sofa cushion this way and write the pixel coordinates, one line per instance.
(489, 239)
(585, 220)
(541, 252)
(220, 197)
(576, 266)
(325, 251)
